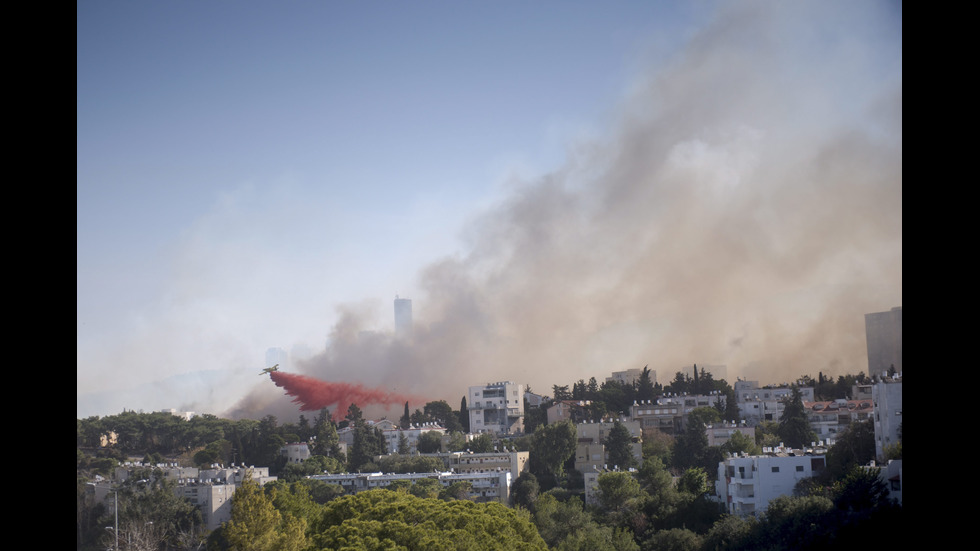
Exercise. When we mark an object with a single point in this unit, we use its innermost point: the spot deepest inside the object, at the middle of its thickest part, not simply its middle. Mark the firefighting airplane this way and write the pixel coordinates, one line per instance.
(270, 369)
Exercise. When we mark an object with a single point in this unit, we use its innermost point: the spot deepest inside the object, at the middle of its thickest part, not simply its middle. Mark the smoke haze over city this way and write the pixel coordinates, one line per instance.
(737, 202)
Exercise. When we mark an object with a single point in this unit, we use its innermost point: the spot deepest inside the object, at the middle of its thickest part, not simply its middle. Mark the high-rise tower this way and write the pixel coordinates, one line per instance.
(403, 316)
(884, 334)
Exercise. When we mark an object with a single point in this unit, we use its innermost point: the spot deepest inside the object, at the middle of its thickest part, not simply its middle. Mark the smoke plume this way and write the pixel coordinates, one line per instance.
(744, 210)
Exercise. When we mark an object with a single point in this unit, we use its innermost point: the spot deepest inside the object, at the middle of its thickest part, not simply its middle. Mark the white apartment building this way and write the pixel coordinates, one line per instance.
(486, 486)
(470, 462)
(887, 397)
(496, 408)
(746, 484)
(411, 434)
(829, 418)
(295, 452)
(756, 404)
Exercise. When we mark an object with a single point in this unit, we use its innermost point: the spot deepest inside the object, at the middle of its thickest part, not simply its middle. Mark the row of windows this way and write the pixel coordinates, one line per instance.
(799, 469)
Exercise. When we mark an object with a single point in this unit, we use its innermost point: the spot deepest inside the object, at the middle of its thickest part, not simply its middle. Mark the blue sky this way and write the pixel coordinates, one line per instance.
(253, 175)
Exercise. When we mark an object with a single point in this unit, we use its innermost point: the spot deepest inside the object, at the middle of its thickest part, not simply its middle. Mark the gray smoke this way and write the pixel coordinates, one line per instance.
(745, 210)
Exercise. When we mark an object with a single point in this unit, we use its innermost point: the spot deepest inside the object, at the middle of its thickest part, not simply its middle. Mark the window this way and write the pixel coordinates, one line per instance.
(799, 468)
(775, 469)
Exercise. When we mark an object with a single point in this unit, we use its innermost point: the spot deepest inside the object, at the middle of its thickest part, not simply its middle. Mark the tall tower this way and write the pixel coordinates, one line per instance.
(884, 333)
(403, 316)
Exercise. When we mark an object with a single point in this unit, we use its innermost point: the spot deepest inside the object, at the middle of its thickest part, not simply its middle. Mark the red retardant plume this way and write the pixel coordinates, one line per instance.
(313, 394)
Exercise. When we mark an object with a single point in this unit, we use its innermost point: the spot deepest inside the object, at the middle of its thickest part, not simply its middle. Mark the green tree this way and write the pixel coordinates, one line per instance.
(621, 499)
(368, 443)
(733, 533)
(456, 442)
(459, 489)
(482, 443)
(794, 426)
(861, 488)
(326, 440)
(524, 491)
(403, 448)
(739, 443)
(464, 416)
(551, 447)
(855, 445)
(406, 419)
(695, 482)
(566, 526)
(381, 519)
(674, 539)
(256, 524)
(691, 446)
(441, 412)
(427, 488)
(798, 523)
(618, 445)
(644, 385)
(429, 442)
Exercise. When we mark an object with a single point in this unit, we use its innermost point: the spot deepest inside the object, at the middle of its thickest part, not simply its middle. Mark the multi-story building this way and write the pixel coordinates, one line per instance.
(469, 462)
(719, 433)
(210, 490)
(832, 417)
(883, 331)
(412, 434)
(496, 408)
(629, 376)
(575, 411)
(668, 414)
(756, 404)
(887, 398)
(746, 484)
(485, 486)
(295, 452)
(590, 447)
(891, 474)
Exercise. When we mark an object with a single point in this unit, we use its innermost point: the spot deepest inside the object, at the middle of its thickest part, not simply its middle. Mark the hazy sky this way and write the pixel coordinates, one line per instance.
(563, 189)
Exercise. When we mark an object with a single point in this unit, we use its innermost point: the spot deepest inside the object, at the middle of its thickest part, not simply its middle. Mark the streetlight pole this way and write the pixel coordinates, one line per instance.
(116, 511)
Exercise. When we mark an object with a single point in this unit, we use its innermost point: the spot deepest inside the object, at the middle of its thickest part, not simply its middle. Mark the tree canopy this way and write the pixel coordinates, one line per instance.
(381, 519)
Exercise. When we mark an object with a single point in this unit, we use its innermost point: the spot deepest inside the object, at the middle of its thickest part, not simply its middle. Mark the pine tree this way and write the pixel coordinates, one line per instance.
(406, 419)
(794, 426)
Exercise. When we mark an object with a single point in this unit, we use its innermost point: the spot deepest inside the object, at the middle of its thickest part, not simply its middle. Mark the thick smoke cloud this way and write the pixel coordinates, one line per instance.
(745, 210)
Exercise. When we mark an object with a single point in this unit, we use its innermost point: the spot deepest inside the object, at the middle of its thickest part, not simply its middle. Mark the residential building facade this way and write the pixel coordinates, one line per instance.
(496, 408)
(756, 404)
(887, 398)
(746, 484)
(883, 331)
(668, 414)
(829, 418)
(485, 486)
